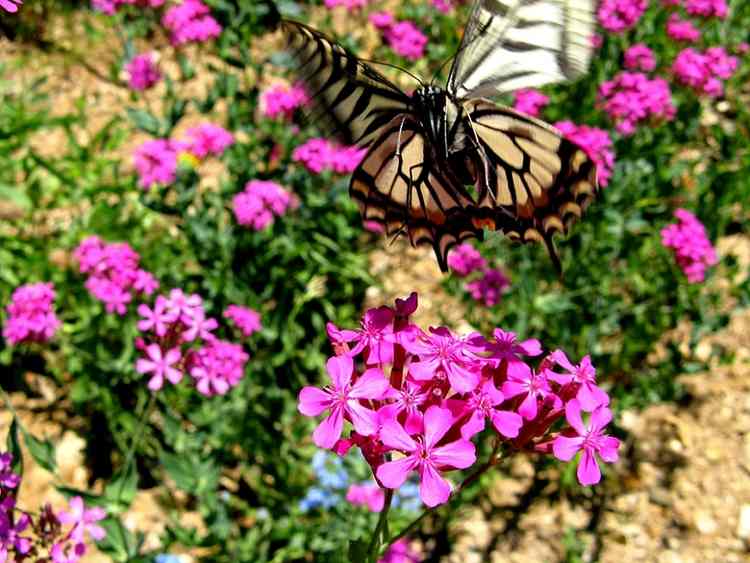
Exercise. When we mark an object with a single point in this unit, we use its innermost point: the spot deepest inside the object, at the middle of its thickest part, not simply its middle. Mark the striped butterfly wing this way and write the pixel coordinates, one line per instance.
(532, 182)
(350, 100)
(512, 44)
(401, 185)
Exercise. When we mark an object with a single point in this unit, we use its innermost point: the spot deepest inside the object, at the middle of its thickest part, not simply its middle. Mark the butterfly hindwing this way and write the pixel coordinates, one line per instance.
(513, 44)
(400, 185)
(350, 99)
(532, 182)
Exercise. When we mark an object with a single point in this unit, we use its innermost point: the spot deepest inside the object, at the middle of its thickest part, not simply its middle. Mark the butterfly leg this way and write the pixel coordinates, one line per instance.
(481, 150)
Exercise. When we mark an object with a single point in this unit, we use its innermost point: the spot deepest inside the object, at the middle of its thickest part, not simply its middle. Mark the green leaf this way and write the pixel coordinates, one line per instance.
(145, 121)
(120, 544)
(42, 451)
(358, 550)
(120, 492)
(13, 445)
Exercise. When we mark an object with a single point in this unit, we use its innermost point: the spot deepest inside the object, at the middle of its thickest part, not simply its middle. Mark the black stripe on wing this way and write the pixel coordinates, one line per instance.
(400, 185)
(351, 100)
(532, 182)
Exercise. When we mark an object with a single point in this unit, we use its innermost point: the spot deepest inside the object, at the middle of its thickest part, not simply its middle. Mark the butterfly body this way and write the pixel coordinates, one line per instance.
(425, 149)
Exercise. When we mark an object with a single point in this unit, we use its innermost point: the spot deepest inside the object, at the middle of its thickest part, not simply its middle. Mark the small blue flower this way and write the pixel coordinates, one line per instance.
(329, 470)
(408, 497)
(167, 558)
(318, 498)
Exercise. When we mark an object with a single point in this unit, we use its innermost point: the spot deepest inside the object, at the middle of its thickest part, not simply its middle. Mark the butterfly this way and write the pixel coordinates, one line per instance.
(443, 164)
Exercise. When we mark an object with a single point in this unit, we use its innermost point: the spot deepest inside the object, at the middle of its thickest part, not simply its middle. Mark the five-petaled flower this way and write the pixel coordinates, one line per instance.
(160, 365)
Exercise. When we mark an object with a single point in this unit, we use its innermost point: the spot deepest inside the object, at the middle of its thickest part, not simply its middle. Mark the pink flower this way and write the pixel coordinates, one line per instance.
(406, 40)
(342, 400)
(530, 102)
(260, 202)
(425, 456)
(8, 479)
(160, 365)
(590, 438)
(619, 15)
(597, 145)
(442, 352)
(142, 72)
(505, 348)
(583, 377)
(280, 100)
(443, 6)
(190, 21)
(480, 405)
(534, 386)
(707, 8)
(208, 139)
(156, 162)
(182, 305)
(217, 367)
(382, 20)
(157, 319)
(692, 248)
(703, 72)
(31, 316)
(400, 552)
(489, 288)
(84, 520)
(10, 5)
(375, 336)
(632, 98)
(640, 57)
(682, 30)
(465, 259)
(244, 318)
(197, 325)
(318, 155)
(366, 494)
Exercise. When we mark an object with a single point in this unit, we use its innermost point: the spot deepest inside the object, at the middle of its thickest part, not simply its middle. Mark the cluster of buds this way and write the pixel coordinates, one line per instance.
(415, 400)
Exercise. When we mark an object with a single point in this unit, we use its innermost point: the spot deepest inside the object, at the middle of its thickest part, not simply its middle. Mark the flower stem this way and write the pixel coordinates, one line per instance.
(373, 549)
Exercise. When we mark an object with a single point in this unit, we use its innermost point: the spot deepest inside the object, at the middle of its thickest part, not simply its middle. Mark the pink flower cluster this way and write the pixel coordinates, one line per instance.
(174, 326)
(400, 552)
(190, 21)
(207, 139)
(640, 57)
(620, 15)
(31, 317)
(142, 72)
(318, 155)
(53, 543)
(260, 202)
(113, 273)
(704, 72)
(424, 396)
(632, 97)
(281, 100)
(156, 161)
(693, 251)
(109, 7)
(244, 318)
(442, 6)
(405, 38)
(530, 102)
(489, 288)
(682, 30)
(596, 143)
(707, 8)
(465, 259)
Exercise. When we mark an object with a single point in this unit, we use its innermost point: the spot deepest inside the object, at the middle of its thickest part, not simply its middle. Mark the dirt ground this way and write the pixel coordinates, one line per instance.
(680, 493)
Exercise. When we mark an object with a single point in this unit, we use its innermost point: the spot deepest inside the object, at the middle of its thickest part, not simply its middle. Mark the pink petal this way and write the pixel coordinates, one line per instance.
(437, 421)
(340, 369)
(96, 532)
(518, 370)
(371, 385)
(496, 396)
(156, 382)
(573, 416)
(506, 422)
(394, 436)
(559, 357)
(462, 379)
(608, 449)
(365, 421)
(512, 388)
(600, 418)
(590, 397)
(566, 447)
(528, 408)
(143, 365)
(313, 401)
(588, 470)
(173, 375)
(459, 454)
(154, 352)
(531, 347)
(434, 488)
(424, 371)
(473, 426)
(329, 431)
(393, 473)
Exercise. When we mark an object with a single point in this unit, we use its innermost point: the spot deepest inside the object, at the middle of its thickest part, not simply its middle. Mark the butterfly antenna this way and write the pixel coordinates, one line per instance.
(414, 76)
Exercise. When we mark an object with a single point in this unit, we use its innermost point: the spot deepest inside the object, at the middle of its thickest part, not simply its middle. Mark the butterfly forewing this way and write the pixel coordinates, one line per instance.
(512, 44)
(400, 185)
(532, 182)
(350, 99)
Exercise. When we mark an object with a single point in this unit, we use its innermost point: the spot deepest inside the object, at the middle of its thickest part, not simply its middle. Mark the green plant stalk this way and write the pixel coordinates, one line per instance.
(374, 548)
